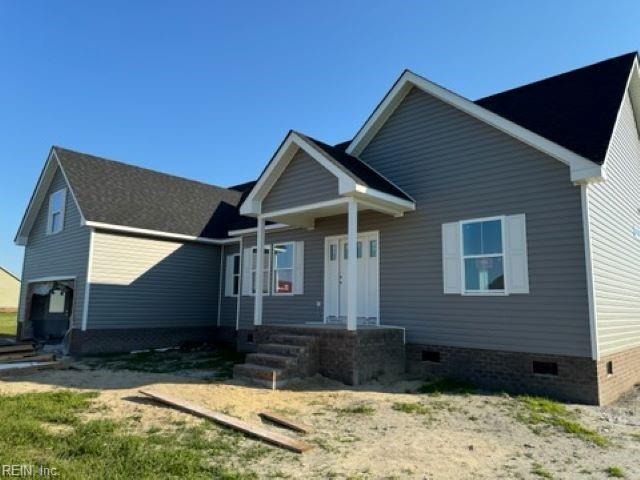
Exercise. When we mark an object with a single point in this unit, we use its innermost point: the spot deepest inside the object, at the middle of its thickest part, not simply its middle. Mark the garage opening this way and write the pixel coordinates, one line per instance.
(50, 311)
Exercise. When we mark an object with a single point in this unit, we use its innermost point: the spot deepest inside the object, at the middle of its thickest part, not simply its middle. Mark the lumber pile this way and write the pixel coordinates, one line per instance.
(23, 359)
(256, 431)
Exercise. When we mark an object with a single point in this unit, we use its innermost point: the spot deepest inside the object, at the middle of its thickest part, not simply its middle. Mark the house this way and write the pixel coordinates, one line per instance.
(496, 240)
(9, 291)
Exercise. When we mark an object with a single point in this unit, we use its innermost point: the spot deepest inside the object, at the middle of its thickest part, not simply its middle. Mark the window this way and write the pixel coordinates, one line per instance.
(283, 268)
(57, 299)
(232, 281)
(56, 211)
(483, 256)
(265, 269)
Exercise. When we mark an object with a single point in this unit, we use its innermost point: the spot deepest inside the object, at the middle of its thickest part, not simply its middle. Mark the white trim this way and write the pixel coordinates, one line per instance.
(503, 255)
(50, 213)
(244, 231)
(581, 168)
(239, 297)
(307, 207)
(588, 255)
(221, 285)
(377, 194)
(257, 309)
(328, 281)
(87, 283)
(157, 233)
(239, 274)
(51, 279)
(352, 266)
(66, 179)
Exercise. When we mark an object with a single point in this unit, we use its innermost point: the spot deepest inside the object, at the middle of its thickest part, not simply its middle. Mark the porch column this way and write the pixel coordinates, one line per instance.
(352, 266)
(257, 309)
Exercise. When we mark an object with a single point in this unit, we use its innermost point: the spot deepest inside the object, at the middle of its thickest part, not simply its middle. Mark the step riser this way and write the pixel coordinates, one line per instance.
(280, 349)
(248, 370)
(268, 360)
(297, 340)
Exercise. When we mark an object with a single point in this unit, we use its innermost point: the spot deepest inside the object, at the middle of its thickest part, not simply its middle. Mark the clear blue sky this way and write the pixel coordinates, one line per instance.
(208, 89)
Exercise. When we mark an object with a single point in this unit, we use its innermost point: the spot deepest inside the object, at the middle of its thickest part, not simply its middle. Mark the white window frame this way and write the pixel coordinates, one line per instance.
(51, 212)
(254, 251)
(273, 269)
(233, 274)
(463, 284)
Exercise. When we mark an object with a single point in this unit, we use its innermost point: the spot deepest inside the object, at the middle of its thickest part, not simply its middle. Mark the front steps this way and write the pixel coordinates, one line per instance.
(280, 358)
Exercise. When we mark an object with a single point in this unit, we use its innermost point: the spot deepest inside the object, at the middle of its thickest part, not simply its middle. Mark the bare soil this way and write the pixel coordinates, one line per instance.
(366, 432)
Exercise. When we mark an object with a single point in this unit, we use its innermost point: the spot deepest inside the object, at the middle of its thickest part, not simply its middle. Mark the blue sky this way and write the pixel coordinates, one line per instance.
(208, 89)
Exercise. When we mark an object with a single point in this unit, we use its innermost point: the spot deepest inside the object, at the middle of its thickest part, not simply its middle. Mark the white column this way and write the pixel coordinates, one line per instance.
(352, 266)
(257, 310)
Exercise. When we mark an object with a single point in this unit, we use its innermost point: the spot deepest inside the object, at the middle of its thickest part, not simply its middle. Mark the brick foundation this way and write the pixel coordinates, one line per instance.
(352, 357)
(577, 379)
(626, 374)
(124, 340)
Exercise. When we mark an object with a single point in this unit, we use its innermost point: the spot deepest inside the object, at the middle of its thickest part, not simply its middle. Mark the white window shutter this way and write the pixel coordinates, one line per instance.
(451, 257)
(228, 277)
(246, 271)
(516, 251)
(298, 268)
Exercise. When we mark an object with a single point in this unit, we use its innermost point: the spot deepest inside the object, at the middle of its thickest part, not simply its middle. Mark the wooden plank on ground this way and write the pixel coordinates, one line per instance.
(286, 422)
(28, 368)
(274, 438)
(26, 347)
(47, 357)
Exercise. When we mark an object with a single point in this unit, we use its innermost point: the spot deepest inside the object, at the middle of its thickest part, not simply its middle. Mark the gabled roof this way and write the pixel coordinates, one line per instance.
(112, 193)
(576, 109)
(10, 274)
(355, 178)
(361, 172)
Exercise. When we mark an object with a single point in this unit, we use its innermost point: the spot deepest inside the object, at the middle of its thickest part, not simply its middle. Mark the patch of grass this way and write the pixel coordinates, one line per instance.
(614, 472)
(540, 471)
(447, 385)
(220, 361)
(83, 448)
(636, 436)
(8, 324)
(357, 409)
(411, 407)
(538, 412)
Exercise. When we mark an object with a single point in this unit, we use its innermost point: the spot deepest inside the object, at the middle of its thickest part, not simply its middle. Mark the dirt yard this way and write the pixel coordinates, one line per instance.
(380, 430)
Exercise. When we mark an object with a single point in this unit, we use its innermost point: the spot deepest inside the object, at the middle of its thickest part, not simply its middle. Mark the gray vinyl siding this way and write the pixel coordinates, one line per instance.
(63, 254)
(228, 305)
(139, 282)
(458, 168)
(303, 181)
(613, 212)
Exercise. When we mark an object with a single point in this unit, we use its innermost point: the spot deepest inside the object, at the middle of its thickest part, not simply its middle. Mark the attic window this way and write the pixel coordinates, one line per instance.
(55, 221)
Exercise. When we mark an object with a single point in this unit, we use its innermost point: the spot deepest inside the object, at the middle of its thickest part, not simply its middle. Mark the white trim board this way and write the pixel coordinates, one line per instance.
(51, 278)
(588, 254)
(159, 234)
(582, 169)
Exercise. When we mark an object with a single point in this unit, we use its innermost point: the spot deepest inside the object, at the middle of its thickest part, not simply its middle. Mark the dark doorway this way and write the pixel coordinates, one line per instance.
(51, 310)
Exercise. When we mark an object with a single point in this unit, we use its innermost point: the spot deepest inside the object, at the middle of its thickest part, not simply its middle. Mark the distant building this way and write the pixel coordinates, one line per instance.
(9, 291)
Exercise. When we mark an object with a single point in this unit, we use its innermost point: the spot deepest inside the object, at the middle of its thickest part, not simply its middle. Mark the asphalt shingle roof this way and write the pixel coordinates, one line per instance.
(576, 109)
(116, 193)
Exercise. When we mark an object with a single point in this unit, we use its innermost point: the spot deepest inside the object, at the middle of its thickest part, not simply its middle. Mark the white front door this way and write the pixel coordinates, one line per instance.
(336, 274)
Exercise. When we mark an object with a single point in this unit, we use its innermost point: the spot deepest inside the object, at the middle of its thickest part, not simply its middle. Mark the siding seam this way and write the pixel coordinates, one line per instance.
(586, 227)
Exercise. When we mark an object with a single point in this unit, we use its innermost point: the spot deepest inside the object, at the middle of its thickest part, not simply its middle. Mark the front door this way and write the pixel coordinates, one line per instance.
(336, 279)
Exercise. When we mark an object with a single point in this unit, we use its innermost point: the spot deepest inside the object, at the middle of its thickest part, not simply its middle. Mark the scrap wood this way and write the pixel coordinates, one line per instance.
(231, 422)
(25, 347)
(26, 368)
(49, 357)
(286, 422)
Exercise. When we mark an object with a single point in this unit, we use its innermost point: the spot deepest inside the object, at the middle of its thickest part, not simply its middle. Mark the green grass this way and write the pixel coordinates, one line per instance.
(411, 407)
(357, 409)
(8, 324)
(537, 412)
(447, 385)
(220, 361)
(614, 472)
(540, 471)
(46, 429)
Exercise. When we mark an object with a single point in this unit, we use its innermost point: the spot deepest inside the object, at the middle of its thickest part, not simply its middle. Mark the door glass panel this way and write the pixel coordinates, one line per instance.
(373, 248)
(359, 253)
(346, 251)
(332, 251)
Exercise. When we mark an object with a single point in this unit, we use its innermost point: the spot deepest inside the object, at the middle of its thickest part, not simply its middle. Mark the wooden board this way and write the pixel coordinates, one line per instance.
(26, 347)
(48, 357)
(231, 422)
(286, 422)
(29, 369)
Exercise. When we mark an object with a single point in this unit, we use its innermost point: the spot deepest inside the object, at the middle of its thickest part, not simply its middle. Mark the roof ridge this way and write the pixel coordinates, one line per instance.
(158, 172)
(550, 77)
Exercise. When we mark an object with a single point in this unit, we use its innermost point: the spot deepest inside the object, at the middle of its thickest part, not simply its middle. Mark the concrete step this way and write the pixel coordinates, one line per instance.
(271, 360)
(280, 349)
(299, 340)
(263, 383)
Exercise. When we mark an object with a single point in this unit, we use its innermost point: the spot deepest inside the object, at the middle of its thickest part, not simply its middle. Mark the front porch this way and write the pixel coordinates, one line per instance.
(287, 352)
